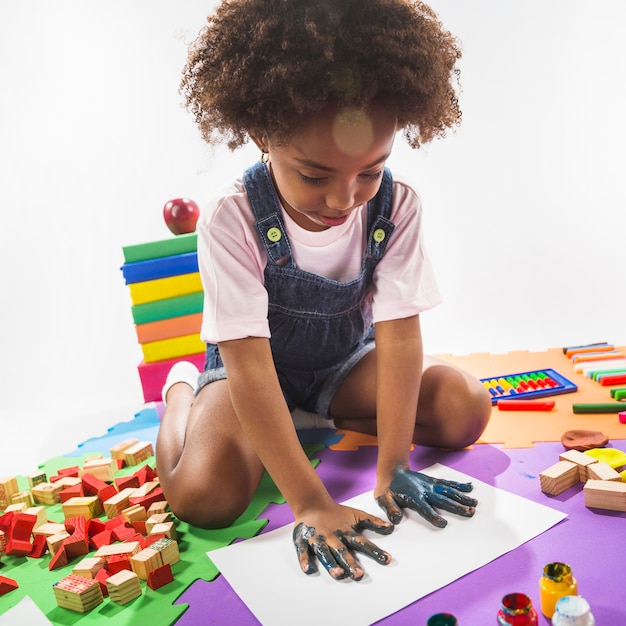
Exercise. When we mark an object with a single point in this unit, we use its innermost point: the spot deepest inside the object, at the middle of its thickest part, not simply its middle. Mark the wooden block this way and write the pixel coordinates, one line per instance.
(75, 491)
(158, 507)
(40, 547)
(134, 513)
(87, 507)
(104, 469)
(559, 477)
(77, 593)
(157, 518)
(154, 496)
(146, 561)
(8, 486)
(168, 549)
(3, 542)
(160, 576)
(117, 451)
(138, 452)
(37, 478)
(128, 548)
(23, 497)
(7, 584)
(48, 529)
(123, 587)
(88, 567)
(145, 489)
(47, 493)
(605, 494)
(40, 513)
(16, 507)
(68, 481)
(603, 471)
(123, 532)
(164, 528)
(582, 460)
(115, 505)
(56, 541)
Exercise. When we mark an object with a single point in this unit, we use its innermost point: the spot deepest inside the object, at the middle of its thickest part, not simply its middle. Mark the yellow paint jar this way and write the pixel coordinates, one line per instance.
(557, 581)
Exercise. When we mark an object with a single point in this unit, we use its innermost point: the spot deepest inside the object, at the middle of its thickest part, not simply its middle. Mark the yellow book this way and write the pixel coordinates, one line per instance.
(172, 348)
(162, 288)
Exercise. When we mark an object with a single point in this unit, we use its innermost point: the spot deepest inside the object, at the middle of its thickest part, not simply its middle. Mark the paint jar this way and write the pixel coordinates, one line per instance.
(573, 611)
(442, 619)
(557, 581)
(517, 610)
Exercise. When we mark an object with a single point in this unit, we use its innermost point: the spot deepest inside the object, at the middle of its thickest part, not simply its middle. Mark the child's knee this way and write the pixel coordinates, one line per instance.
(204, 509)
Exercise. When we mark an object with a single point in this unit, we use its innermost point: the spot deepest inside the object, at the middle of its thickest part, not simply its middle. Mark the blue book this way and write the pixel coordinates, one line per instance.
(163, 267)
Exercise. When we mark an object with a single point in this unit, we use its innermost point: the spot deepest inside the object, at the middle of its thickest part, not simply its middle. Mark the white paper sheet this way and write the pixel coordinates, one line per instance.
(265, 574)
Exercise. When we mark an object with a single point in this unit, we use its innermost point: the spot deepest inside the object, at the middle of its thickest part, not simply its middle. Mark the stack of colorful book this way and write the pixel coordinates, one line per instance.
(167, 299)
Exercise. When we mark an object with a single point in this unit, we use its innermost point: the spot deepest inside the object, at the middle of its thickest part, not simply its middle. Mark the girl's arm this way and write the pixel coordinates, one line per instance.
(398, 376)
(323, 527)
(399, 373)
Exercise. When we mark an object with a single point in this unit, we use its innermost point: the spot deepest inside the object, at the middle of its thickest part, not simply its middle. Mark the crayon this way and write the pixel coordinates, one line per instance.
(525, 405)
(598, 407)
(588, 345)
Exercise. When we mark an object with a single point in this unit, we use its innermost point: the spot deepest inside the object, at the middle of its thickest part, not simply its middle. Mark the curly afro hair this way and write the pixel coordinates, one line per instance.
(261, 66)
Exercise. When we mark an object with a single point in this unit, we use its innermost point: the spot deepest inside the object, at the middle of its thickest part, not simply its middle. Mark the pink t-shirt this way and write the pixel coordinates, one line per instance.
(232, 260)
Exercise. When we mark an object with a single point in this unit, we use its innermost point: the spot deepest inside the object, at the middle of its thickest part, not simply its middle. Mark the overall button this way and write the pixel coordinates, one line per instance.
(379, 235)
(274, 234)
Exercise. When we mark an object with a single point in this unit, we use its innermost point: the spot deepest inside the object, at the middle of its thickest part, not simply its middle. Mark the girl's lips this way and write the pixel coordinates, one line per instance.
(333, 221)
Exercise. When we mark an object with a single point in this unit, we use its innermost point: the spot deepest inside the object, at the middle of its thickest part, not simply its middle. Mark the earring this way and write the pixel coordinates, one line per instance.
(265, 156)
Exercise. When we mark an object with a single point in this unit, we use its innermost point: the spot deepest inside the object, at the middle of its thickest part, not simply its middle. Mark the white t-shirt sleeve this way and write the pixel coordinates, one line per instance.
(404, 281)
(231, 265)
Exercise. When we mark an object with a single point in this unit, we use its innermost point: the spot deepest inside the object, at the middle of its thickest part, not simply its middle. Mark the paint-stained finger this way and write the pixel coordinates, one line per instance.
(387, 503)
(347, 561)
(325, 557)
(358, 543)
(421, 505)
(301, 536)
(445, 503)
(378, 525)
(454, 494)
(466, 487)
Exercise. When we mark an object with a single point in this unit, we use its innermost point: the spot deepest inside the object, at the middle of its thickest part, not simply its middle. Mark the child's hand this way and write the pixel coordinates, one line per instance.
(332, 536)
(421, 493)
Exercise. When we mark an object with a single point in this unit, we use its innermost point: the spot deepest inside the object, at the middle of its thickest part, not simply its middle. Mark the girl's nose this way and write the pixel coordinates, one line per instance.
(340, 198)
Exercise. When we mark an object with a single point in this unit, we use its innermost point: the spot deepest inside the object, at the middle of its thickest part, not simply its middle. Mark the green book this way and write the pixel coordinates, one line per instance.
(167, 308)
(180, 244)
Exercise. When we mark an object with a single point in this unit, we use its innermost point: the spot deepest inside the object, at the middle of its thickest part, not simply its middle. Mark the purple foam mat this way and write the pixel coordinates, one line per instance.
(591, 541)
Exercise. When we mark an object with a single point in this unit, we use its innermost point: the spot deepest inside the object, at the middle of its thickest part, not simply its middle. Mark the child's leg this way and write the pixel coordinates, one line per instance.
(453, 407)
(207, 469)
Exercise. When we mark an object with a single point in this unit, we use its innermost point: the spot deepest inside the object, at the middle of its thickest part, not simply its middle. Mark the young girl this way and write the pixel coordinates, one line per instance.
(315, 272)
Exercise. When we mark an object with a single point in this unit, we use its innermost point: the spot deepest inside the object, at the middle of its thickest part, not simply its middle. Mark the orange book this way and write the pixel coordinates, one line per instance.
(169, 328)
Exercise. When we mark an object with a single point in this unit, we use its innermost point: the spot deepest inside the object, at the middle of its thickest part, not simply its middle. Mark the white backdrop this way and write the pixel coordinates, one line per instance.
(525, 206)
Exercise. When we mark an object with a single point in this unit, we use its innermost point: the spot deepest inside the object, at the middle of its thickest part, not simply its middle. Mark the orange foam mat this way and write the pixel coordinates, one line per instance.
(521, 429)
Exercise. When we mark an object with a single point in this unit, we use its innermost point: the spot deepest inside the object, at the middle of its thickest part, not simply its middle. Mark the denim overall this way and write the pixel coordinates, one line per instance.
(320, 328)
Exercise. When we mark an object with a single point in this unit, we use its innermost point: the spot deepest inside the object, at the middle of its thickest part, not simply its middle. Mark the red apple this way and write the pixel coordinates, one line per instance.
(181, 215)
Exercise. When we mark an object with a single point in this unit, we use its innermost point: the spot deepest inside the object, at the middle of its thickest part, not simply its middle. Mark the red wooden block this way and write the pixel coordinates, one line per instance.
(72, 492)
(59, 559)
(145, 474)
(123, 532)
(117, 562)
(121, 463)
(160, 576)
(113, 522)
(68, 471)
(137, 537)
(140, 527)
(93, 486)
(101, 576)
(125, 482)
(154, 496)
(6, 521)
(40, 547)
(7, 584)
(150, 539)
(94, 526)
(100, 539)
(18, 537)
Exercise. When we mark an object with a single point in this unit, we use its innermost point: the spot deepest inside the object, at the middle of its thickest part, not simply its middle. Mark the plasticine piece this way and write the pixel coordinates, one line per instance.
(583, 440)
(611, 456)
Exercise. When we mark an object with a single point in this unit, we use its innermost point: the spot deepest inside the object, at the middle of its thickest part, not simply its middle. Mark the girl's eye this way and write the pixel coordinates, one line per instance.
(310, 180)
(372, 177)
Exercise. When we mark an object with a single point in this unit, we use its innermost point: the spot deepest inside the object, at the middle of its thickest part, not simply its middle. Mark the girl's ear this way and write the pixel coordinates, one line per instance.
(260, 141)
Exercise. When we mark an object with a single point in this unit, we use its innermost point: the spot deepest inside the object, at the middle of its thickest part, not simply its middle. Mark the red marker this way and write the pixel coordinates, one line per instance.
(525, 405)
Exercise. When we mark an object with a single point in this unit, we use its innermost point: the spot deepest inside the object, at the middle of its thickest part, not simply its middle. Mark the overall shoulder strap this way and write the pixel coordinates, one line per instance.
(379, 226)
(267, 212)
